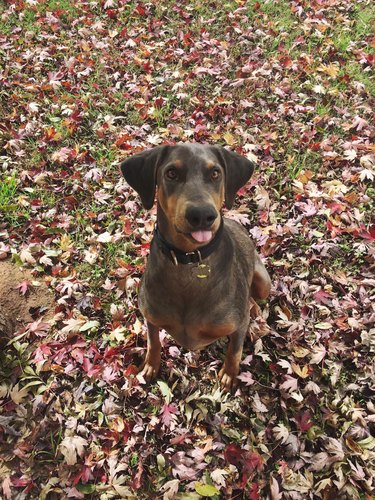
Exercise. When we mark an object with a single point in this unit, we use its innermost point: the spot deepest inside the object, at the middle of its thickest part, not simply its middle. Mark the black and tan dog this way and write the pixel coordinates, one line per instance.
(203, 270)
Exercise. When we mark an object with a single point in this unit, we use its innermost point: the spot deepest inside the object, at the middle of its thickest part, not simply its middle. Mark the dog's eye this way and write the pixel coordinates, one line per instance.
(171, 174)
(215, 174)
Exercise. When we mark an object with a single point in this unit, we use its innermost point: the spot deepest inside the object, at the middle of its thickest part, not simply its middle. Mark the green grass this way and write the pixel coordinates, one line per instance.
(8, 190)
(364, 20)
(281, 19)
(362, 24)
(342, 40)
(356, 73)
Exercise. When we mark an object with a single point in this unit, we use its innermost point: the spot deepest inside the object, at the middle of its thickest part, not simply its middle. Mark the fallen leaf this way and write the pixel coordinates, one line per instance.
(71, 448)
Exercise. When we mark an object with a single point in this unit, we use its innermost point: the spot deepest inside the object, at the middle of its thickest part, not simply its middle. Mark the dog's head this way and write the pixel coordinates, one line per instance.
(193, 181)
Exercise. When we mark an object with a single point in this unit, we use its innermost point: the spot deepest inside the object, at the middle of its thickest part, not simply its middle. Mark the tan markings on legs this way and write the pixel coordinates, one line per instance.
(151, 365)
(231, 368)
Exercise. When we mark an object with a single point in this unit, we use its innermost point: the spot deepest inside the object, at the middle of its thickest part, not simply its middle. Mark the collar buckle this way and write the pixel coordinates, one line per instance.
(197, 254)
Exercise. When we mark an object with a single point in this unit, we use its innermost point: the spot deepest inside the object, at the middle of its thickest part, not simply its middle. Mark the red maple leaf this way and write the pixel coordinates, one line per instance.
(254, 492)
(233, 454)
(247, 462)
(303, 421)
(322, 297)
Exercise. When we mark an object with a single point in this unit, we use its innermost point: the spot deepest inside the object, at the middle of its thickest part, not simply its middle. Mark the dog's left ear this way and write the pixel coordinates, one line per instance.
(140, 173)
(238, 171)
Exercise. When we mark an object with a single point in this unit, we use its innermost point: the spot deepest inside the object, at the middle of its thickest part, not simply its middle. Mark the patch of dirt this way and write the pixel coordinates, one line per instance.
(16, 309)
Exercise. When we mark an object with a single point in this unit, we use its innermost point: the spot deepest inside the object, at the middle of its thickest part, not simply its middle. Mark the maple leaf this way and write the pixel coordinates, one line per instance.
(252, 461)
(331, 70)
(322, 297)
(168, 414)
(233, 454)
(358, 472)
(101, 197)
(91, 256)
(94, 174)
(318, 354)
(257, 405)
(312, 387)
(24, 286)
(26, 256)
(367, 161)
(367, 174)
(350, 154)
(247, 360)
(39, 327)
(170, 489)
(262, 198)
(238, 216)
(105, 237)
(320, 461)
(218, 476)
(63, 155)
(73, 325)
(229, 139)
(304, 421)
(301, 372)
(281, 432)
(290, 384)
(359, 123)
(319, 89)
(72, 447)
(33, 107)
(18, 394)
(46, 261)
(334, 448)
(186, 473)
(247, 378)
(286, 365)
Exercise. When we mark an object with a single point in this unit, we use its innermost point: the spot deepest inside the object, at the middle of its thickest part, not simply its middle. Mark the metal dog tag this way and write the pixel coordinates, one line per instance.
(202, 271)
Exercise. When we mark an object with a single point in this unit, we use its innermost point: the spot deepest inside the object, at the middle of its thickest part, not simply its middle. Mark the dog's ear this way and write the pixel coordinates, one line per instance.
(140, 173)
(238, 171)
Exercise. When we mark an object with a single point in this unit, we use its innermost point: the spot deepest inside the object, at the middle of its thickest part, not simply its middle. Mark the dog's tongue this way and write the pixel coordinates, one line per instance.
(202, 236)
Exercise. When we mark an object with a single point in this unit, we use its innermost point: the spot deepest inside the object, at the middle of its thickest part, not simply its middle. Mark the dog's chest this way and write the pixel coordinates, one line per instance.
(195, 310)
(186, 295)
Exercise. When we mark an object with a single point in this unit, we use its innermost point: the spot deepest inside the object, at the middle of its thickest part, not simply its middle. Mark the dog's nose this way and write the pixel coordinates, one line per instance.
(201, 217)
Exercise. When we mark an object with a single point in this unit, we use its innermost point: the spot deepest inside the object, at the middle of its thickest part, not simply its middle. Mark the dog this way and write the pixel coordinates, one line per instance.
(203, 271)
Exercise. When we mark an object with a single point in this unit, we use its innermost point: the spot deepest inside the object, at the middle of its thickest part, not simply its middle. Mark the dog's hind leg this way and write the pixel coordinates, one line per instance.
(261, 285)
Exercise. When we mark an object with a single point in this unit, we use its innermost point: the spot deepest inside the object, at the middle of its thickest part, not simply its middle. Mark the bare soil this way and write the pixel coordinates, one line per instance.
(16, 309)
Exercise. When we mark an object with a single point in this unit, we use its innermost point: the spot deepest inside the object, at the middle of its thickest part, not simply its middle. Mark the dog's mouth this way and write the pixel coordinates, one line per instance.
(202, 236)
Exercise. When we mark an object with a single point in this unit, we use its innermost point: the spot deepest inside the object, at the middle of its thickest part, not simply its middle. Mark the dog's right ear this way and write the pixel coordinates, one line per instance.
(140, 173)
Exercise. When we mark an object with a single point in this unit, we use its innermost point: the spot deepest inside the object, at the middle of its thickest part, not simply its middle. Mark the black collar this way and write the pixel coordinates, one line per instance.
(179, 257)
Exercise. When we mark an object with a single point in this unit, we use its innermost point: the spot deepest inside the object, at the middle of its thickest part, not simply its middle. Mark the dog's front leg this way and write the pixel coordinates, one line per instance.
(151, 365)
(231, 368)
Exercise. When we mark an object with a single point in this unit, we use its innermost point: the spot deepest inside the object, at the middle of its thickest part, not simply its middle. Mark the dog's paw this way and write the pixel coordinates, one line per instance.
(149, 369)
(228, 379)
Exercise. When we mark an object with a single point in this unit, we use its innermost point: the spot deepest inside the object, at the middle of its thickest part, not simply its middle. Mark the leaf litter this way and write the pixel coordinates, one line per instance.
(82, 86)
